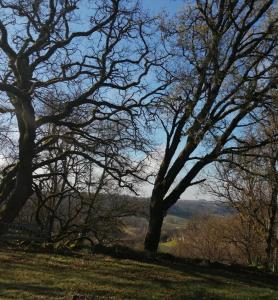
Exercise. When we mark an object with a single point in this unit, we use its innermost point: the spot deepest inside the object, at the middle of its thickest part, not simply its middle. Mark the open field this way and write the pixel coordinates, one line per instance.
(45, 276)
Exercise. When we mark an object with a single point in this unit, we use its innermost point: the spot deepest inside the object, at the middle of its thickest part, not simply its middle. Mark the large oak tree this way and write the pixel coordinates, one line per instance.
(83, 67)
(226, 64)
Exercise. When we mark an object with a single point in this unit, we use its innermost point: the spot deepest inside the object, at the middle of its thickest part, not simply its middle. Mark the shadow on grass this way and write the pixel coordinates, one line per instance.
(123, 279)
(236, 274)
(32, 288)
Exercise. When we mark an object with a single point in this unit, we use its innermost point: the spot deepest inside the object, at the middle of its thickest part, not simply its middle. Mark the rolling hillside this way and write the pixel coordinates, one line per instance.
(188, 208)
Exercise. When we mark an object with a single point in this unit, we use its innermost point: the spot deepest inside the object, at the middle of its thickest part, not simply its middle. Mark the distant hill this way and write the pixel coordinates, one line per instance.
(185, 209)
(139, 206)
(188, 208)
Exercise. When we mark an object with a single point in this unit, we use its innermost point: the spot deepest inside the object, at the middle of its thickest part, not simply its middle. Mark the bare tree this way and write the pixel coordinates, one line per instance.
(227, 68)
(249, 183)
(77, 69)
(76, 201)
(229, 239)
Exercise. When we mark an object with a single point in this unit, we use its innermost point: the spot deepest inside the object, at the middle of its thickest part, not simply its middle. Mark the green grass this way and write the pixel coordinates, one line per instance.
(42, 276)
(167, 246)
(173, 222)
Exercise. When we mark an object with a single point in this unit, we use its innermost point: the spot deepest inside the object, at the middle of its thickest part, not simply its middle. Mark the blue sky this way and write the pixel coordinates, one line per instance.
(170, 6)
(154, 7)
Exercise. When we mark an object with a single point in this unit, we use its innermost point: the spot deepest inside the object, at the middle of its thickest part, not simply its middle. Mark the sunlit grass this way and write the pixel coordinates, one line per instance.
(42, 276)
(167, 246)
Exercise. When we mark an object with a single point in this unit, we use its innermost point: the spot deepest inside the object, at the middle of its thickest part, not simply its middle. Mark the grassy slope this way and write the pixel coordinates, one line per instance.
(43, 276)
(166, 247)
(174, 222)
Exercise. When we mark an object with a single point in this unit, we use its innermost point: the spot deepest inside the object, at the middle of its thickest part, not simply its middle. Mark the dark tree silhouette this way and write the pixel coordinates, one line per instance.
(81, 68)
(227, 67)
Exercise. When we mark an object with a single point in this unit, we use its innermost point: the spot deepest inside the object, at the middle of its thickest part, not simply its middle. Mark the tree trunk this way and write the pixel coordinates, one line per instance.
(14, 198)
(154, 230)
(271, 231)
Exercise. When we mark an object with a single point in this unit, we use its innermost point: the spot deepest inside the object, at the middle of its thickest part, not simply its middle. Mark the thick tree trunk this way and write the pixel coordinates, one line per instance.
(14, 198)
(154, 230)
(271, 231)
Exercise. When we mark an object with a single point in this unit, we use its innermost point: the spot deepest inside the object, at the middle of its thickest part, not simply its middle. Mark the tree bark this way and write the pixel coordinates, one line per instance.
(154, 229)
(272, 232)
(14, 198)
